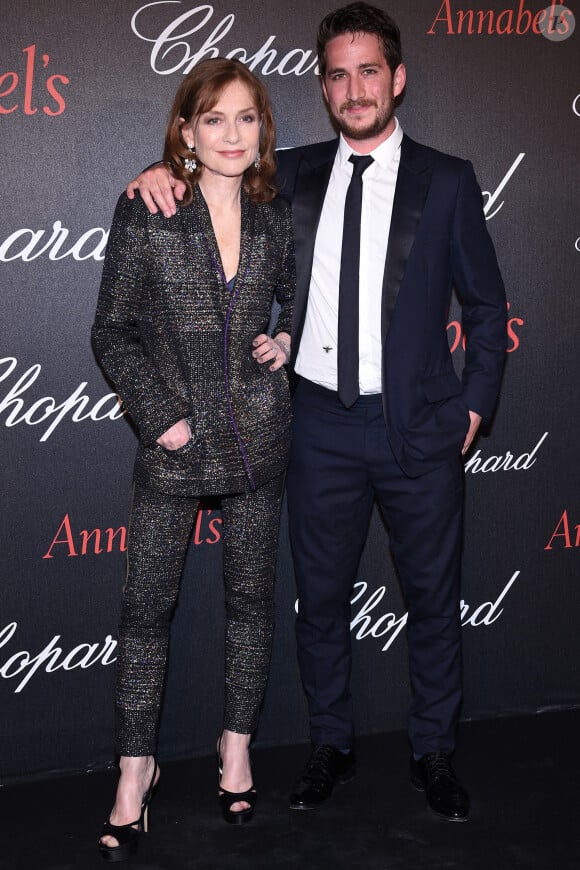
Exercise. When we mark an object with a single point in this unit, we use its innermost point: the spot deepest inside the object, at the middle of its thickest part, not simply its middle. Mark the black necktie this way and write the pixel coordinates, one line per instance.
(348, 391)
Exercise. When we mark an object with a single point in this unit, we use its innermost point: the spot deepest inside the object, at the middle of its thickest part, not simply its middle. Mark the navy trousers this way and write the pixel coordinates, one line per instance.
(341, 461)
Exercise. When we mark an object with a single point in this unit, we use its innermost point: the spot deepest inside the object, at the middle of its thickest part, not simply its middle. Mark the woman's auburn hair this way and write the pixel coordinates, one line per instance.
(199, 92)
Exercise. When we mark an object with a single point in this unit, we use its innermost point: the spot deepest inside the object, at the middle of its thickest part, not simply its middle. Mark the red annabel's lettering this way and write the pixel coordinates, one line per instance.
(213, 526)
(9, 82)
(511, 326)
(64, 536)
(112, 540)
(564, 535)
(458, 336)
(503, 23)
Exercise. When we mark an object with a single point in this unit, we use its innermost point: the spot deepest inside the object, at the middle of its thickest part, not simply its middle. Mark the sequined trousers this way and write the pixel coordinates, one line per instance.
(159, 535)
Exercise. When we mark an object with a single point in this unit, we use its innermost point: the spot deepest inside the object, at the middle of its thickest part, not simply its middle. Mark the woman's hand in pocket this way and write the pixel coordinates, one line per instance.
(175, 437)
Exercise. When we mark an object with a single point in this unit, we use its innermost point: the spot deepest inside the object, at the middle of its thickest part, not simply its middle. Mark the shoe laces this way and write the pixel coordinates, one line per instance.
(321, 761)
(439, 765)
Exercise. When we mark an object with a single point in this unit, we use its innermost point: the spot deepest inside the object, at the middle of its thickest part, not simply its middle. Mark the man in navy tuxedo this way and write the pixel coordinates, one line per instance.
(400, 441)
(391, 425)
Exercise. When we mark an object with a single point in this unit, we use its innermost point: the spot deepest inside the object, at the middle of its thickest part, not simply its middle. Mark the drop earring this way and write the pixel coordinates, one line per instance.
(257, 162)
(190, 163)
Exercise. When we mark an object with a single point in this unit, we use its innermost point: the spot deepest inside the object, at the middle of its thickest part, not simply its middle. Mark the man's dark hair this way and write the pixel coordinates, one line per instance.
(360, 18)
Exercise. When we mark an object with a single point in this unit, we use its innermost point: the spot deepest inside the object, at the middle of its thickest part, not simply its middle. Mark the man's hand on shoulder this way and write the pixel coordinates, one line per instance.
(158, 189)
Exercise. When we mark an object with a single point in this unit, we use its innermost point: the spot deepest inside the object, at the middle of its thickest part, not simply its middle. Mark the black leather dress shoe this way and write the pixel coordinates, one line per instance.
(326, 767)
(446, 797)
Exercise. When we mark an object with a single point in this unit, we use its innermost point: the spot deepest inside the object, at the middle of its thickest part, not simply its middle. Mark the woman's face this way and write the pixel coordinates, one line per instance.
(227, 138)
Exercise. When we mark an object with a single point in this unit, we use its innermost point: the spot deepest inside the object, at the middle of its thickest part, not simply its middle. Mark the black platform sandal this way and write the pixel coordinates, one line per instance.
(227, 798)
(127, 836)
(237, 817)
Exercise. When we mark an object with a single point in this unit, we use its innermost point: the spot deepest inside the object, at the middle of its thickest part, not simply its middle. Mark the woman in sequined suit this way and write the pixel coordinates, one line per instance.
(180, 329)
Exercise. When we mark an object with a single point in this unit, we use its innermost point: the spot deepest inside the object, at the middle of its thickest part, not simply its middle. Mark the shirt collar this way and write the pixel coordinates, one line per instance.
(383, 154)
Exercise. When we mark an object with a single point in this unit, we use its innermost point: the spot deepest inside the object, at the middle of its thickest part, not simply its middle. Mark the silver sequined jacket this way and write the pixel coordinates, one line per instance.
(177, 343)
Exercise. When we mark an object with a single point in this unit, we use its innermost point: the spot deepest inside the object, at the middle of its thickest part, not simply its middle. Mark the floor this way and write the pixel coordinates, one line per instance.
(522, 773)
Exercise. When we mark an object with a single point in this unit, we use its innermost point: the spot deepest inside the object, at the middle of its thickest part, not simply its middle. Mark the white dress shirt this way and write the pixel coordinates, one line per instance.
(317, 359)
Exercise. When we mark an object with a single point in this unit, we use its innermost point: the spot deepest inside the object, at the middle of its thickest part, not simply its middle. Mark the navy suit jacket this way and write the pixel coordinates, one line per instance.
(437, 238)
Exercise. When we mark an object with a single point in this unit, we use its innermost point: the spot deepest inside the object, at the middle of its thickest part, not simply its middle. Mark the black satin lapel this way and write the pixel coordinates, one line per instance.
(410, 195)
(307, 204)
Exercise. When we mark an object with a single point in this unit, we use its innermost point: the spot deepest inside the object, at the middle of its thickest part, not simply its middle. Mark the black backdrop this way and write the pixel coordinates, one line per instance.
(85, 88)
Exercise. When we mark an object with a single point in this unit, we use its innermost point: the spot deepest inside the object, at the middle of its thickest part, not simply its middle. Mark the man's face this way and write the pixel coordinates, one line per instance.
(360, 89)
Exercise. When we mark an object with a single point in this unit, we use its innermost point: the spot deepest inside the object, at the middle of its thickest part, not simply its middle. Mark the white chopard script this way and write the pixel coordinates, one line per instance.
(369, 621)
(173, 51)
(47, 410)
(387, 626)
(24, 664)
(27, 244)
(491, 198)
(504, 462)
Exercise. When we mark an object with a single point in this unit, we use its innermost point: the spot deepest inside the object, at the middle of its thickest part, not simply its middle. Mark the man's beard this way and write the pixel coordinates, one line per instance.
(378, 126)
